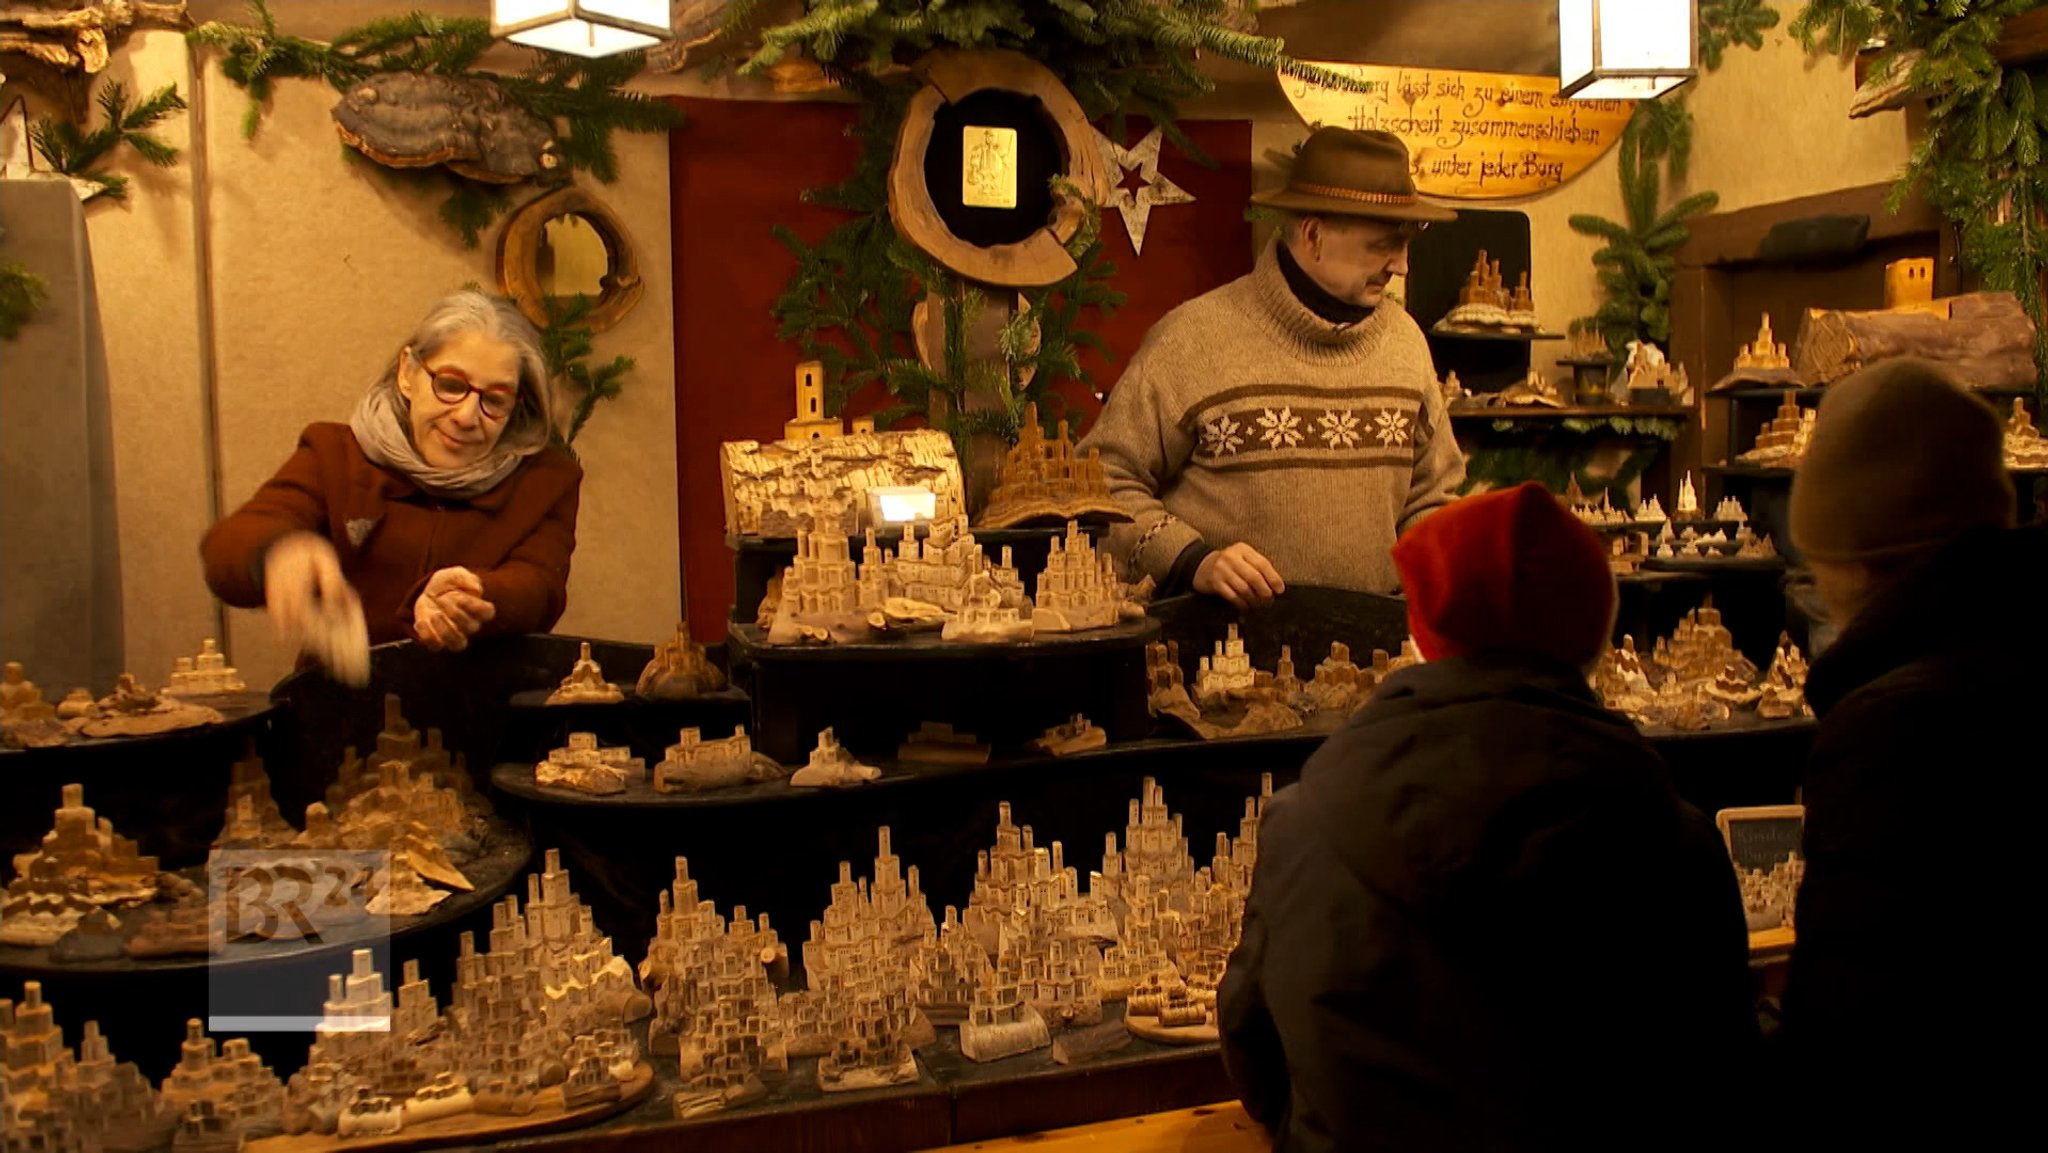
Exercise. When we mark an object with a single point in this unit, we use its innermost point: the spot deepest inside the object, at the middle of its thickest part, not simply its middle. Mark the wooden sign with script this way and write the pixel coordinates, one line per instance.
(1471, 135)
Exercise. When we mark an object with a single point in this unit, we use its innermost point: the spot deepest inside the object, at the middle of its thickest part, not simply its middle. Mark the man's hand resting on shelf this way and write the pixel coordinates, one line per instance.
(1241, 575)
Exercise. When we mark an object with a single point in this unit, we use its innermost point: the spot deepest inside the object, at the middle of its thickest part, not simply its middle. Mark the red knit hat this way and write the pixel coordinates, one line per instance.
(1510, 570)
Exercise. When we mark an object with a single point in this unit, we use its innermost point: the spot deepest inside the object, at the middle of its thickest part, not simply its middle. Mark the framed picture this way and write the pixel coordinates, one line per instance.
(1763, 843)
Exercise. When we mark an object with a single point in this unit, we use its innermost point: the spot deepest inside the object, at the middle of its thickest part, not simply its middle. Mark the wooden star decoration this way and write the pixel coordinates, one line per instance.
(1140, 188)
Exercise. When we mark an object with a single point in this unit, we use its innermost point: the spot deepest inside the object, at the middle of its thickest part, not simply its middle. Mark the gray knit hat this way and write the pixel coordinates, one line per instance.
(1903, 457)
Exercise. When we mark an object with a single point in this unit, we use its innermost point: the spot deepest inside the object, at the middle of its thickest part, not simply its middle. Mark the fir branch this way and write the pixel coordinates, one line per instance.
(21, 293)
(75, 153)
(471, 206)
(1729, 22)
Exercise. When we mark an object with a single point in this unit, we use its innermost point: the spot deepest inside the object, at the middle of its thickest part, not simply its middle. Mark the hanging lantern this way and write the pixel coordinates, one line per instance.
(582, 27)
(1626, 49)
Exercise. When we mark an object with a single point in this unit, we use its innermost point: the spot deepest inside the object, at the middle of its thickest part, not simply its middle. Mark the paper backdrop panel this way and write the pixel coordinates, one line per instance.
(740, 167)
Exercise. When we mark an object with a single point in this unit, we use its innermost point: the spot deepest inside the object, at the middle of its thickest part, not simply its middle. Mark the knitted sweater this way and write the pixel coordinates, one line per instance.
(1246, 417)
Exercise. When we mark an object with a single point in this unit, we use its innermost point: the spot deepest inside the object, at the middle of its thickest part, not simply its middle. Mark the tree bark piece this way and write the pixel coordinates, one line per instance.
(1984, 337)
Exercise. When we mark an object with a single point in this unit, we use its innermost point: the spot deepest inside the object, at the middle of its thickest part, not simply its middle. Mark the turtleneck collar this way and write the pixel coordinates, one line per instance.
(1308, 333)
(1313, 296)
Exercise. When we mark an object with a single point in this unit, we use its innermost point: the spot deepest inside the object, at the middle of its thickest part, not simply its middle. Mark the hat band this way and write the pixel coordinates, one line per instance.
(1332, 190)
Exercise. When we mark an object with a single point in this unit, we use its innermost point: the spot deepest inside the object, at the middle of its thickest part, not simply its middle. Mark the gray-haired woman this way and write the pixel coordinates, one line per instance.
(439, 509)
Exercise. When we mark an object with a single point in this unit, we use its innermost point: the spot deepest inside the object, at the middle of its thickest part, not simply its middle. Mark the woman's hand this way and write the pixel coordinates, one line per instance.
(314, 607)
(302, 581)
(451, 610)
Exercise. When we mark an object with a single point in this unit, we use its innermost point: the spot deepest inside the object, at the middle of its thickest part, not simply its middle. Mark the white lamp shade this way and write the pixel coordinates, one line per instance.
(1625, 49)
(582, 27)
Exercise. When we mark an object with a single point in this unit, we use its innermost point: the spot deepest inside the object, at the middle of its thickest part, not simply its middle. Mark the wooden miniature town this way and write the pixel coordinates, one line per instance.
(87, 893)
(1485, 304)
(944, 579)
(1696, 679)
(816, 479)
(535, 1036)
(27, 721)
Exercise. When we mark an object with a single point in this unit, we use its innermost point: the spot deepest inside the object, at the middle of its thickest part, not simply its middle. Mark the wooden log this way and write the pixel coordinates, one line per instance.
(1984, 337)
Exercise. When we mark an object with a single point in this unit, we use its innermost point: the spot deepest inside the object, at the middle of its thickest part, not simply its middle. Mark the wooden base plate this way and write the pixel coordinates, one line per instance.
(469, 1128)
(1150, 1029)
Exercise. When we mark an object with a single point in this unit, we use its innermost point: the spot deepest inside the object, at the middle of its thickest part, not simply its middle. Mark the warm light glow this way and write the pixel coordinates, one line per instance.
(1625, 49)
(902, 504)
(581, 27)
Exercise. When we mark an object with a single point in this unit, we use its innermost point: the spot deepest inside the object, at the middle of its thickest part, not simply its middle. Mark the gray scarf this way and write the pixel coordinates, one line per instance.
(383, 428)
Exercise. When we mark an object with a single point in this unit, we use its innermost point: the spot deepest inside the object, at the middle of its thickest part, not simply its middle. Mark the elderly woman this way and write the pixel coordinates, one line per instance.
(440, 504)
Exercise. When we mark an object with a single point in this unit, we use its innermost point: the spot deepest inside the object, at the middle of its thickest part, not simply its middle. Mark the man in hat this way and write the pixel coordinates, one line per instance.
(1924, 790)
(1288, 425)
(1484, 919)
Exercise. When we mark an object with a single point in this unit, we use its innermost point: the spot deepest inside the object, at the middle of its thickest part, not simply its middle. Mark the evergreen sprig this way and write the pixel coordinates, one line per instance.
(21, 293)
(1636, 265)
(1979, 160)
(1723, 23)
(74, 151)
(567, 342)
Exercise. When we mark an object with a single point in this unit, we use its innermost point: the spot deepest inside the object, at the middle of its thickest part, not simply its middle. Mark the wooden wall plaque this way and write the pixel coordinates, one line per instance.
(1470, 135)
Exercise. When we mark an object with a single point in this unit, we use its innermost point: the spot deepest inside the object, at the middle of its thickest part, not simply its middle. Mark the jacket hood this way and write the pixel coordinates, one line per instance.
(1465, 781)
(1980, 592)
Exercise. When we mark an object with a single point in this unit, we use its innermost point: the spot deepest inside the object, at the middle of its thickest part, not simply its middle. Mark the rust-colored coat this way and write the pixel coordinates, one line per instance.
(391, 536)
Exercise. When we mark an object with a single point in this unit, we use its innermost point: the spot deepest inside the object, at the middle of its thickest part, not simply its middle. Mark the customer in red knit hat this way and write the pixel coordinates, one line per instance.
(1484, 919)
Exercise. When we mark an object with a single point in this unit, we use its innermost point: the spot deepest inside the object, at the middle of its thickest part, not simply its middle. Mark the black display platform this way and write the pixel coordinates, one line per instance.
(167, 791)
(953, 1101)
(467, 695)
(759, 559)
(647, 727)
(874, 694)
(127, 996)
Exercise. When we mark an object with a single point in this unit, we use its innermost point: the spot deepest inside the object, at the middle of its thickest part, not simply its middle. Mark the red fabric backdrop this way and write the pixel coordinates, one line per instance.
(738, 168)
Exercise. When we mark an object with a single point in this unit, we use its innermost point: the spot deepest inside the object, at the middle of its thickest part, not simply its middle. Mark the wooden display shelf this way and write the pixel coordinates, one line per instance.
(1488, 334)
(507, 852)
(1569, 412)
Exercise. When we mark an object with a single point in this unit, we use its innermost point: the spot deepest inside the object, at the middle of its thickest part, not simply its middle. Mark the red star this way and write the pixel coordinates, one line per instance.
(1133, 181)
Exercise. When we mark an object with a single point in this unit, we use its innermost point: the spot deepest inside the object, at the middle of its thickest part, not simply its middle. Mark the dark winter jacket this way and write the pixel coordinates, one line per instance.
(1485, 921)
(1915, 999)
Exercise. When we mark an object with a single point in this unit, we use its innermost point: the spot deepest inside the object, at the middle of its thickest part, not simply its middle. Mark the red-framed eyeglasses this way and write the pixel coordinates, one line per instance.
(452, 386)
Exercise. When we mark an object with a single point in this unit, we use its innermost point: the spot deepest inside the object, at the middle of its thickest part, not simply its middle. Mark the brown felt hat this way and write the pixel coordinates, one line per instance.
(1343, 172)
(1903, 457)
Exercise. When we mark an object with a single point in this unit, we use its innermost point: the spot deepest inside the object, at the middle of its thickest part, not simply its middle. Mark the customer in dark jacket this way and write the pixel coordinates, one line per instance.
(1917, 982)
(1484, 920)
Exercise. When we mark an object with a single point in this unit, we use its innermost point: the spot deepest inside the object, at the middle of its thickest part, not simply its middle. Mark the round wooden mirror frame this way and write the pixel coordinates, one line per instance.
(519, 257)
(950, 76)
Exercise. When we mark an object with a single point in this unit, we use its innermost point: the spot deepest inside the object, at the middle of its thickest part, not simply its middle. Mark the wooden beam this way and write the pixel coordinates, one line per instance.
(1733, 237)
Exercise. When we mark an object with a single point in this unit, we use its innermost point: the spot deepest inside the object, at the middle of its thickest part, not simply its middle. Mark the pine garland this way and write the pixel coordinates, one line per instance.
(69, 149)
(849, 302)
(1723, 23)
(586, 94)
(566, 344)
(21, 293)
(1980, 158)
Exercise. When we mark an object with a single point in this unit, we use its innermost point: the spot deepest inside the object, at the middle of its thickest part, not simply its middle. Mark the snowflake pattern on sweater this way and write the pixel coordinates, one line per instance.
(1350, 429)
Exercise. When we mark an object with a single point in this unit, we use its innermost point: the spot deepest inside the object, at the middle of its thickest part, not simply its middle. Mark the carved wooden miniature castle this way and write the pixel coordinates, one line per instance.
(1484, 302)
(1045, 480)
(204, 674)
(817, 477)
